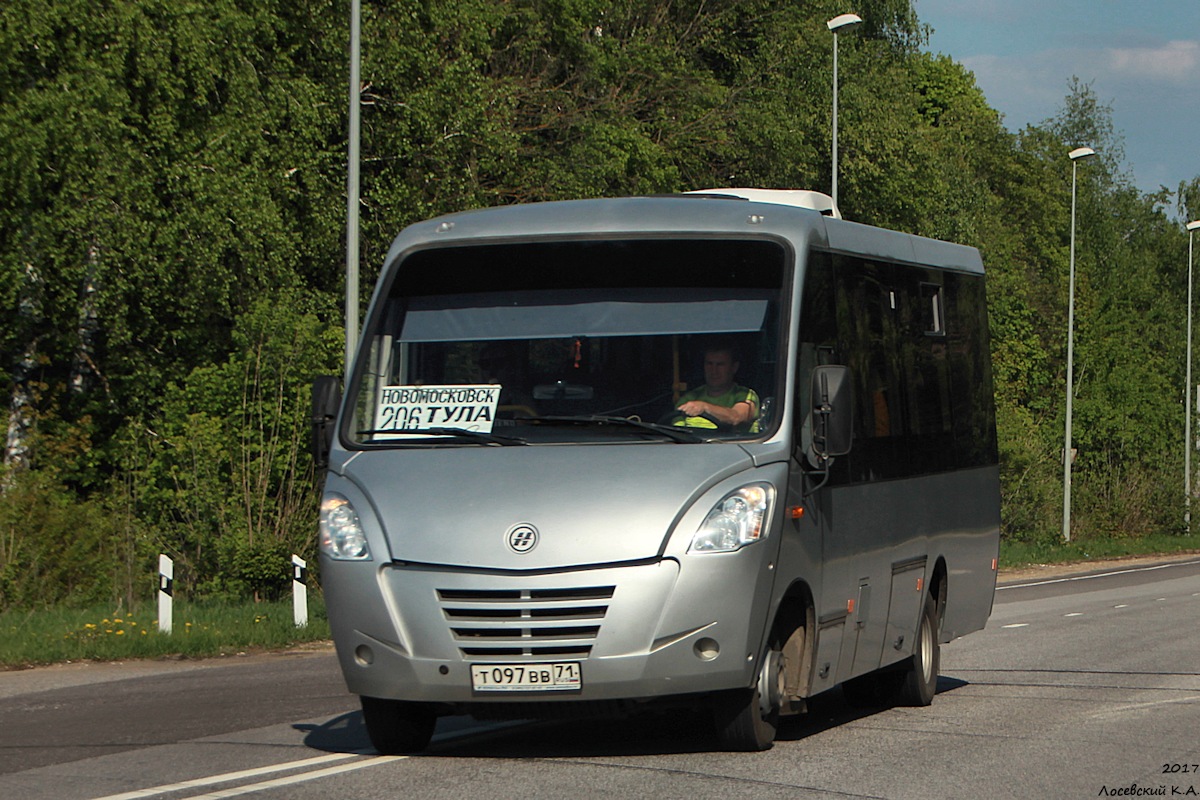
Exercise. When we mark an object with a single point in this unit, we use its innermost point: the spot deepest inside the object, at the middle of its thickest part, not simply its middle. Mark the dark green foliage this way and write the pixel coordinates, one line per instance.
(257, 569)
(172, 204)
(57, 547)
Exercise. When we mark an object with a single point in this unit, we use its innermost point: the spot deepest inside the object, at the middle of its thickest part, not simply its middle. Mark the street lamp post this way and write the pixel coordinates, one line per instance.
(352, 192)
(1187, 393)
(1076, 155)
(836, 24)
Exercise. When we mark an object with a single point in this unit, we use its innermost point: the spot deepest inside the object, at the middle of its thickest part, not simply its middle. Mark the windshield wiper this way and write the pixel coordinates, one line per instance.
(673, 432)
(462, 434)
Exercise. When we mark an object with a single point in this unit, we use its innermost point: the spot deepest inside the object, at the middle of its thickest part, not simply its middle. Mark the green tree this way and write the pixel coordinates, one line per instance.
(176, 162)
(226, 478)
(172, 204)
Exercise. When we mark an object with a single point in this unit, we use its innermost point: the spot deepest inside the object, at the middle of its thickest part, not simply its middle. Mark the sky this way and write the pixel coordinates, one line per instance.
(1141, 58)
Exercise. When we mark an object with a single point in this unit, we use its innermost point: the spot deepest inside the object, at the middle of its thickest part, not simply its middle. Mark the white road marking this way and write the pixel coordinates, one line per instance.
(1112, 712)
(366, 760)
(1097, 575)
(227, 777)
(372, 761)
(1074, 614)
(1016, 625)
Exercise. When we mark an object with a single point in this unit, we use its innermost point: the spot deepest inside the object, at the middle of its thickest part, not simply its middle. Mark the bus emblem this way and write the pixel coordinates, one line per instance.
(522, 538)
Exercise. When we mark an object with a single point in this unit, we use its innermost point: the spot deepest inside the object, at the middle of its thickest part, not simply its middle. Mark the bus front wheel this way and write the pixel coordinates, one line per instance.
(397, 727)
(746, 720)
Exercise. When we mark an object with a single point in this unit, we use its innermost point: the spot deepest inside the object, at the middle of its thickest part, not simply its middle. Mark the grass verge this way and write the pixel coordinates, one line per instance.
(46, 636)
(53, 635)
(1022, 554)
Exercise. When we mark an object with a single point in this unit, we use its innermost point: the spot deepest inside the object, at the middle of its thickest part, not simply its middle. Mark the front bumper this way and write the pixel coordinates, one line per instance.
(639, 631)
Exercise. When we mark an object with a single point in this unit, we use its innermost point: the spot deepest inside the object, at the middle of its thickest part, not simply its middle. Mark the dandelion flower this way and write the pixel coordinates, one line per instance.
(120, 633)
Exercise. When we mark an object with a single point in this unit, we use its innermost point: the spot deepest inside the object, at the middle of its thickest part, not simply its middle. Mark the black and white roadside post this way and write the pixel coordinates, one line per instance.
(300, 591)
(166, 588)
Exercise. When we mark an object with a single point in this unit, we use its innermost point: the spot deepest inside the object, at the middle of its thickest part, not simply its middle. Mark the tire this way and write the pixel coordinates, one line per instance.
(920, 679)
(397, 727)
(746, 720)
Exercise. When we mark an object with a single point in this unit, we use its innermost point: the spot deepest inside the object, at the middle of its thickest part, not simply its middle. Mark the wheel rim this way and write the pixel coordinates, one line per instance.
(770, 684)
(926, 649)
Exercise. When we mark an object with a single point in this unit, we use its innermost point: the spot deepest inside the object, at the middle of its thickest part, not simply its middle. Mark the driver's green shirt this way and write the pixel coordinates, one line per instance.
(736, 394)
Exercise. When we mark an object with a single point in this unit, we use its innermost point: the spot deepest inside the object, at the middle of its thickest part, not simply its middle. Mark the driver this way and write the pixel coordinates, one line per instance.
(720, 401)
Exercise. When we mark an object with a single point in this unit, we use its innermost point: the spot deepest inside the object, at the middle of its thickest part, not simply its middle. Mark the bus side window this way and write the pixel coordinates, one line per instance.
(818, 336)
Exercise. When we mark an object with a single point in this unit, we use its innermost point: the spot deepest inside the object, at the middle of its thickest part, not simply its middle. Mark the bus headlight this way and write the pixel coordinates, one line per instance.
(738, 520)
(341, 533)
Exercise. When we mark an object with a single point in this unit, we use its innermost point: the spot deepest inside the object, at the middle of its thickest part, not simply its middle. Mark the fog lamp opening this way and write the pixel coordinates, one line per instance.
(706, 649)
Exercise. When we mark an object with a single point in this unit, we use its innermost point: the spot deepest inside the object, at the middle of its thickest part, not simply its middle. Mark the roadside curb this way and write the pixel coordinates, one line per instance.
(1035, 572)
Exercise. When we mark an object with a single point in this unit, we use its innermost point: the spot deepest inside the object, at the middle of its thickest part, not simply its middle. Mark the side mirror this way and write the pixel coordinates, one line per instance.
(326, 398)
(832, 411)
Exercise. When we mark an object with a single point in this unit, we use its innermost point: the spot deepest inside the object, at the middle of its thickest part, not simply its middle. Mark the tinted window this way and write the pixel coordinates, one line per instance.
(917, 345)
(501, 338)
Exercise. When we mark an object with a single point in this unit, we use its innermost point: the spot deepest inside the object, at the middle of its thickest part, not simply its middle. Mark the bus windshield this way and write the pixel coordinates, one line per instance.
(573, 341)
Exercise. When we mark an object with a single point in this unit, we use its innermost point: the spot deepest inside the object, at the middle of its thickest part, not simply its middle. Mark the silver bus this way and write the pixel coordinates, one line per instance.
(721, 450)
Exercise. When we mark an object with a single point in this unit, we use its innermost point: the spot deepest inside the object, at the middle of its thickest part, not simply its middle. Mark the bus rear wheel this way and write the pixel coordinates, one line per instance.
(397, 727)
(920, 679)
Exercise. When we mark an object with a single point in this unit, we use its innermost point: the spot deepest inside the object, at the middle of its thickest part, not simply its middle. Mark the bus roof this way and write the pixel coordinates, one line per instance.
(792, 215)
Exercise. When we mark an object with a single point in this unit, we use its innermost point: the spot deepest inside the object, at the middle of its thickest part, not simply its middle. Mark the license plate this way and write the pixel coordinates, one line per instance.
(558, 676)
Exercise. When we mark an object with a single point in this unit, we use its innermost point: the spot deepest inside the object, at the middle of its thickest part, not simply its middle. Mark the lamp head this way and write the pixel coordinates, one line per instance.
(843, 21)
(1081, 152)
(1194, 225)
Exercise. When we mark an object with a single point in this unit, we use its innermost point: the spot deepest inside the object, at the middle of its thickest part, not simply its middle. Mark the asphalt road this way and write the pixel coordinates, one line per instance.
(1081, 686)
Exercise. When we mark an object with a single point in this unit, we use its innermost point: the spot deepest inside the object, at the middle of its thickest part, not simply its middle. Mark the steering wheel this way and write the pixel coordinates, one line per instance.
(675, 414)
(671, 417)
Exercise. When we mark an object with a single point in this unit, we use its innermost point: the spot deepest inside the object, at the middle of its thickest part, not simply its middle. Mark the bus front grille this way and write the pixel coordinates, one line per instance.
(525, 624)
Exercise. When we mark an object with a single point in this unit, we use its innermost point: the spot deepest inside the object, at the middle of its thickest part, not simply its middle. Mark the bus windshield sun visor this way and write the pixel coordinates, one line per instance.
(429, 320)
